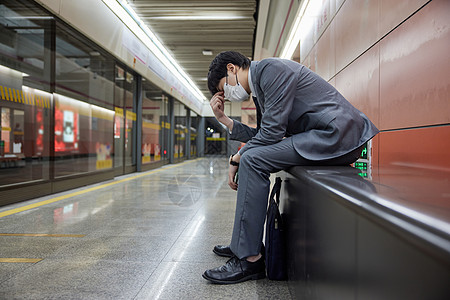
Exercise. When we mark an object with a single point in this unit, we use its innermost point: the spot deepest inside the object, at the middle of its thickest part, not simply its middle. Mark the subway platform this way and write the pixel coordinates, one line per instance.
(141, 236)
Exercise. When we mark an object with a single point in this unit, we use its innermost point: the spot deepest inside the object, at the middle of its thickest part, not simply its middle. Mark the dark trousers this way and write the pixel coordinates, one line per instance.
(256, 164)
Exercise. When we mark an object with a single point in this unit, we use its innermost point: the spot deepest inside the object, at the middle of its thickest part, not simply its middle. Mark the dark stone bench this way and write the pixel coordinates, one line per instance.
(382, 237)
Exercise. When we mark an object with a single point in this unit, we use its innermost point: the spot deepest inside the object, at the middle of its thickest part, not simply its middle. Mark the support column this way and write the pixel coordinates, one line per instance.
(201, 137)
(138, 137)
(188, 133)
(50, 78)
(171, 130)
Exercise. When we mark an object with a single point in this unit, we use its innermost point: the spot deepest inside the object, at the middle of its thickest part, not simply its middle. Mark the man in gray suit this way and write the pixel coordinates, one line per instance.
(304, 121)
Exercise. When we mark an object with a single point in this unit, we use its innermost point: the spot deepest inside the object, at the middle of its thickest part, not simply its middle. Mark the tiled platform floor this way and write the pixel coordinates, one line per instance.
(147, 236)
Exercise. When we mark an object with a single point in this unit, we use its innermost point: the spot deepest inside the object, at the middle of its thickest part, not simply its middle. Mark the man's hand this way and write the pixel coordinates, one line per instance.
(217, 103)
(232, 170)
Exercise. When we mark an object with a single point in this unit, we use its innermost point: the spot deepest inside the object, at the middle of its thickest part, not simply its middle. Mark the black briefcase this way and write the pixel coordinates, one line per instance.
(275, 241)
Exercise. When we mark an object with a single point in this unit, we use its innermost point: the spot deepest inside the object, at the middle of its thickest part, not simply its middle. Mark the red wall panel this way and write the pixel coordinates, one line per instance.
(356, 30)
(415, 70)
(392, 61)
(422, 148)
(326, 65)
(393, 13)
(359, 84)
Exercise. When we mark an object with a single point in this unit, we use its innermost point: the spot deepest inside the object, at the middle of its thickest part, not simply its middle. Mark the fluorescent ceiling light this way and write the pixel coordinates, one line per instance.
(303, 24)
(125, 13)
(293, 38)
(200, 18)
(31, 17)
(207, 52)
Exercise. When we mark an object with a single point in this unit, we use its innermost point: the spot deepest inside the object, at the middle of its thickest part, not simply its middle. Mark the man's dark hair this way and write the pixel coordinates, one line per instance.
(218, 67)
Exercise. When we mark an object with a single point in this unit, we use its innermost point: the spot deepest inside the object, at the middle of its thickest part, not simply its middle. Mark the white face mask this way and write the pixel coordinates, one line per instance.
(235, 93)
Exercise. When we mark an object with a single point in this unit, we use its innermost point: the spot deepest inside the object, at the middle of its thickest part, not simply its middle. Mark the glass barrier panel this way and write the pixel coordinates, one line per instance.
(25, 104)
(152, 131)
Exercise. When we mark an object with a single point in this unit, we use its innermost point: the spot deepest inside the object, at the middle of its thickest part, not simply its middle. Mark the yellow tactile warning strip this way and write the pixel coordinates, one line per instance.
(33, 260)
(56, 199)
(43, 235)
(20, 260)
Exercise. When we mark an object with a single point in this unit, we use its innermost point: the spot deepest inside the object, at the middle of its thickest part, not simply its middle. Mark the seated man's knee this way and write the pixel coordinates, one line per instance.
(245, 160)
(251, 159)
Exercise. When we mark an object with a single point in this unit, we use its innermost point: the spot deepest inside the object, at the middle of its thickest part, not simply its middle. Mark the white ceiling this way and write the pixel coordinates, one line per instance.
(186, 28)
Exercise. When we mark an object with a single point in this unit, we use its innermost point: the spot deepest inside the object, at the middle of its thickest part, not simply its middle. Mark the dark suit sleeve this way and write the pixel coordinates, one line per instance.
(242, 132)
(278, 82)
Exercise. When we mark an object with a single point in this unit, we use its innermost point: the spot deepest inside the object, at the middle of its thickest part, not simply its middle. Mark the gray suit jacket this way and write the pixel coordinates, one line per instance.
(295, 101)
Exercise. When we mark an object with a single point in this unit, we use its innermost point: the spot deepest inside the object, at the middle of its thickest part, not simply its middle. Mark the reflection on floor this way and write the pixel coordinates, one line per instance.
(147, 236)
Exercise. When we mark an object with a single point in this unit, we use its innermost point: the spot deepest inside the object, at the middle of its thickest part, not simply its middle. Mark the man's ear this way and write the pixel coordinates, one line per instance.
(231, 67)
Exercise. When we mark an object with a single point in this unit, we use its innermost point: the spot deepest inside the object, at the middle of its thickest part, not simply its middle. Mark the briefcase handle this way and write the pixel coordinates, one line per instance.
(276, 191)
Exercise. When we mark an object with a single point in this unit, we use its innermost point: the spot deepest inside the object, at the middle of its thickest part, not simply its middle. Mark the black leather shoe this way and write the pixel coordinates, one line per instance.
(223, 251)
(236, 270)
(226, 251)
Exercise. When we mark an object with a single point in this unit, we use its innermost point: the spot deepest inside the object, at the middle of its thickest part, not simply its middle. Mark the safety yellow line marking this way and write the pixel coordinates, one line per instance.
(45, 202)
(20, 260)
(43, 235)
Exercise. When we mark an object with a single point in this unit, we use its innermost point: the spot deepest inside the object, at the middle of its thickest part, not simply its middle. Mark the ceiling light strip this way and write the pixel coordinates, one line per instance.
(294, 33)
(152, 37)
(167, 58)
(164, 54)
(127, 15)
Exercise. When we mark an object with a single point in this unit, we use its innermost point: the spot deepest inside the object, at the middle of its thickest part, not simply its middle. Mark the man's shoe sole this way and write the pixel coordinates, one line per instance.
(249, 277)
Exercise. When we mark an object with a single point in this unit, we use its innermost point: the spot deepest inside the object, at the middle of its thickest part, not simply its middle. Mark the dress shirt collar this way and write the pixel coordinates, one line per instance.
(250, 83)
